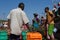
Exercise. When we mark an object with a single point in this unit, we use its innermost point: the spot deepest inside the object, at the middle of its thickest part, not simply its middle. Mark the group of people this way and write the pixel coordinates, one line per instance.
(53, 21)
(17, 19)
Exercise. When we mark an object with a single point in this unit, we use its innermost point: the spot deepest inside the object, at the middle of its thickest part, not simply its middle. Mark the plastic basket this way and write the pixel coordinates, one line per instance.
(24, 35)
(3, 35)
(34, 36)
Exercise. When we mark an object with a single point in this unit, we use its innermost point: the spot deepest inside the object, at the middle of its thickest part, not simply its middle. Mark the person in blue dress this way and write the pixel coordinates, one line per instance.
(36, 21)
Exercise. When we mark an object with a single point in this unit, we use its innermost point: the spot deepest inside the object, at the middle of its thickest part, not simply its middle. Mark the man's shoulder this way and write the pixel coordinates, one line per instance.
(16, 9)
(13, 10)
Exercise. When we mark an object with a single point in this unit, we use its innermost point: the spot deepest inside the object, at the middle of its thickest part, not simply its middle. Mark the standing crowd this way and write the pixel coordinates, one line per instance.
(18, 24)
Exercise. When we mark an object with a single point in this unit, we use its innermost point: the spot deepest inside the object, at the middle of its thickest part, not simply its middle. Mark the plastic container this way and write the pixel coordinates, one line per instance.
(3, 35)
(34, 36)
(24, 35)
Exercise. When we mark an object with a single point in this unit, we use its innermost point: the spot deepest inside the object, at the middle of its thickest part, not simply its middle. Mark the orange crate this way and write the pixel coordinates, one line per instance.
(34, 36)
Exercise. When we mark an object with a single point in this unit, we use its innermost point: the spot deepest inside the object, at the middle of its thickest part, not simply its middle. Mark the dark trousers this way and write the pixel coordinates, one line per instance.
(14, 37)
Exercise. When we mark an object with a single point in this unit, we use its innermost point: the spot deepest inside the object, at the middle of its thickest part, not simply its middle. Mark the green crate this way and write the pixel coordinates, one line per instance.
(3, 37)
(3, 31)
(24, 35)
(3, 34)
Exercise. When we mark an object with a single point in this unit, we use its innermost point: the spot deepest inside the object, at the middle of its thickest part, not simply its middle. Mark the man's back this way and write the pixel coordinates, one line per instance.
(16, 21)
(17, 16)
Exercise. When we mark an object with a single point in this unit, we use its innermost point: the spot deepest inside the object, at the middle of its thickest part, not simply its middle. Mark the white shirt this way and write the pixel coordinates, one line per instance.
(17, 17)
(55, 9)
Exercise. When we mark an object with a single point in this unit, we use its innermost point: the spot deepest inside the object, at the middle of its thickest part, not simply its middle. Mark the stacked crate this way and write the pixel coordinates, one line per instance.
(34, 36)
(24, 35)
(3, 35)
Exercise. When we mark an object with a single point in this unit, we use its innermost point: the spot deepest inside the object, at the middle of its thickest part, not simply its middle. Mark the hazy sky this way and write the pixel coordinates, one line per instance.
(31, 6)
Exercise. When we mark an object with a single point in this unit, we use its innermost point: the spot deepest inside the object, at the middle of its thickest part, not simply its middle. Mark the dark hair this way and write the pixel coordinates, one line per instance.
(35, 14)
(47, 8)
(42, 17)
(20, 4)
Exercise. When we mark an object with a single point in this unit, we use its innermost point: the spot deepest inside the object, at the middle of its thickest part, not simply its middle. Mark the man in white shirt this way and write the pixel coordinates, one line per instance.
(16, 18)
